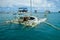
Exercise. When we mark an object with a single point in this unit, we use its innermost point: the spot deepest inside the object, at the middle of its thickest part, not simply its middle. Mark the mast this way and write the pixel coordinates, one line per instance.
(30, 7)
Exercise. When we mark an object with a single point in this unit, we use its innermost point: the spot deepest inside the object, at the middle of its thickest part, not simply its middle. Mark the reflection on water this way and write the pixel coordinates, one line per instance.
(42, 31)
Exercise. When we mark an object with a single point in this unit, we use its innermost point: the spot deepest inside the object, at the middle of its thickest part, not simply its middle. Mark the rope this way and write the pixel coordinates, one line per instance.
(52, 25)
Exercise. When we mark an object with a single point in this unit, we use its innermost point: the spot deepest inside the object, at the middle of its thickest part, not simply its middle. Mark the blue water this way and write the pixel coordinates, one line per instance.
(42, 31)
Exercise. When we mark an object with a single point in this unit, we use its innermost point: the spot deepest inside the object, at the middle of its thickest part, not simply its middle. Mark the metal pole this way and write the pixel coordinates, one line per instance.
(30, 7)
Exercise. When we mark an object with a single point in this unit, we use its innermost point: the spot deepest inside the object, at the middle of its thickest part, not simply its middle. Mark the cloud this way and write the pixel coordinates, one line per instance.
(39, 4)
(11, 3)
(35, 3)
(57, 0)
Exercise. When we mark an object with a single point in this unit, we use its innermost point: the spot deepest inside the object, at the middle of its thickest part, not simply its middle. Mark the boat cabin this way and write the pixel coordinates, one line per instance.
(22, 10)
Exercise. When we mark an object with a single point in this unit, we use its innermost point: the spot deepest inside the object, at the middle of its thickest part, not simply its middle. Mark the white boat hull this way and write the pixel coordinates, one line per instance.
(29, 22)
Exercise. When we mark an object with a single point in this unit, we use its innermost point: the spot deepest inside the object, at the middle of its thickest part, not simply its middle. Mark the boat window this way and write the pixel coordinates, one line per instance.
(31, 18)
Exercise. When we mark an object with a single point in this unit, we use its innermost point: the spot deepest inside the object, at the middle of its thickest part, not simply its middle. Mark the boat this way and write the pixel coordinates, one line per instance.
(27, 20)
(35, 11)
(22, 10)
(47, 11)
(58, 11)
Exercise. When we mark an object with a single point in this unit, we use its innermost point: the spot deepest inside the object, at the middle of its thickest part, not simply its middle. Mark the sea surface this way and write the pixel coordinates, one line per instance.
(43, 31)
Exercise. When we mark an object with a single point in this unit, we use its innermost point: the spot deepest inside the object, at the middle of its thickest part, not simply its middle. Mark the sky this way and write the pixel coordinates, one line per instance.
(52, 5)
